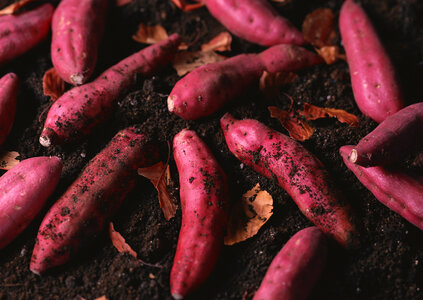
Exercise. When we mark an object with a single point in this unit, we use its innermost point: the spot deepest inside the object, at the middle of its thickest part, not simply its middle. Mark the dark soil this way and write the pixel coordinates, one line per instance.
(387, 265)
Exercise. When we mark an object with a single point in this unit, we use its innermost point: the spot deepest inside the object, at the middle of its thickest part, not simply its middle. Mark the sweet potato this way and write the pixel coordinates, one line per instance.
(302, 175)
(209, 87)
(397, 190)
(24, 190)
(296, 268)
(204, 201)
(77, 28)
(83, 210)
(375, 85)
(82, 108)
(397, 136)
(255, 21)
(8, 93)
(20, 33)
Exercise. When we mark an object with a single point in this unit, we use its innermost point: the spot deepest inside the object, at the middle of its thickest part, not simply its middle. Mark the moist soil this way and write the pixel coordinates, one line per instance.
(387, 265)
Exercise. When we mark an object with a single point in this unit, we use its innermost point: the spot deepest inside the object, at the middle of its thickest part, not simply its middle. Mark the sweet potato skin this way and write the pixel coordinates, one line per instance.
(397, 190)
(20, 33)
(24, 190)
(374, 82)
(301, 174)
(82, 211)
(255, 21)
(82, 108)
(77, 29)
(296, 268)
(8, 92)
(394, 138)
(204, 201)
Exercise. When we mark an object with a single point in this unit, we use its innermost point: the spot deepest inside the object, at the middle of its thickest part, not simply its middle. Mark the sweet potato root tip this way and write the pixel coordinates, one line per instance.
(177, 296)
(353, 156)
(171, 103)
(77, 79)
(47, 137)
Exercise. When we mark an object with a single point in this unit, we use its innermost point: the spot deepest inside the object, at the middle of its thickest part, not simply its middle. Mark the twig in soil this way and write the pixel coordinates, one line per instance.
(149, 265)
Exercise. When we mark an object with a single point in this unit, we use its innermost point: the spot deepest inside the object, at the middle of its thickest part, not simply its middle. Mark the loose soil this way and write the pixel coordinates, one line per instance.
(387, 265)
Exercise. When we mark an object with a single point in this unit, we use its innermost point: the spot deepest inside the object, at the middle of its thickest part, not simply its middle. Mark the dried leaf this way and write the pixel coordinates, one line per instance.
(298, 130)
(8, 160)
(102, 298)
(319, 28)
(281, 2)
(53, 85)
(14, 7)
(248, 215)
(119, 242)
(150, 34)
(183, 5)
(159, 175)
(330, 54)
(270, 83)
(222, 42)
(122, 2)
(185, 62)
(312, 112)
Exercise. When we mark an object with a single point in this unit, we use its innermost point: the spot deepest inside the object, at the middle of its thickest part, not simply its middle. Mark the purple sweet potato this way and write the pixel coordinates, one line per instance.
(301, 174)
(82, 108)
(8, 92)
(375, 85)
(397, 190)
(209, 87)
(296, 268)
(19, 33)
(204, 201)
(24, 190)
(394, 138)
(89, 202)
(77, 29)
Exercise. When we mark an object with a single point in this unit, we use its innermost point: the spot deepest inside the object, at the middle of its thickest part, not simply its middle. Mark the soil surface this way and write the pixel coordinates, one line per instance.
(387, 265)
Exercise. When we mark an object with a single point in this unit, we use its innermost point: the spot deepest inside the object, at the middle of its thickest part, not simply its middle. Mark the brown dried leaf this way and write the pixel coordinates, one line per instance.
(330, 54)
(53, 85)
(159, 175)
(102, 298)
(312, 112)
(319, 28)
(183, 5)
(119, 242)
(14, 7)
(222, 42)
(150, 34)
(298, 130)
(8, 160)
(185, 62)
(270, 83)
(248, 215)
(122, 2)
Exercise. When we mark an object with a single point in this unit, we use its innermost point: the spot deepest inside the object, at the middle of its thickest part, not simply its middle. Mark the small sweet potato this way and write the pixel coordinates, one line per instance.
(204, 201)
(374, 82)
(24, 190)
(81, 213)
(8, 92)
(301, 174)
(296, 268)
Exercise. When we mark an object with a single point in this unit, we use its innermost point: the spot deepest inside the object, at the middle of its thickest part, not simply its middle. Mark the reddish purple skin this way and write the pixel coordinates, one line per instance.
(301, 174)
(255, 21)
(81, 213)
(19, 33)
(397, 136)
(296, 268)
(374, 82)
(207, 88)
(77, 29)
(204, 201)
(397, 190)
(82, 108)
(23, 191)
(8, 92)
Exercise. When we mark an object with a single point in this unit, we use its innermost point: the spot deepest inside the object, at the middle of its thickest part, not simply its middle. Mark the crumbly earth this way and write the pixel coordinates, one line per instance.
(387, 265)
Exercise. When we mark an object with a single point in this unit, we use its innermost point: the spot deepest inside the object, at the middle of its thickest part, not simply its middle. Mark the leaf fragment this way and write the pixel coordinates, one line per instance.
(185, 62)
(221, 42)
(330, 54)
(8, 160)
(14, 7)
(270, 83)
(319, 28)
(186, 7)
(150, 34)
(122, 2)
(312, 112)
(119, 242)
(298, 129)
(53, 84)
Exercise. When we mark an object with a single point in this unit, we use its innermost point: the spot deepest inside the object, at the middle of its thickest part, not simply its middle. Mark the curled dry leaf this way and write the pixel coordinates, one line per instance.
(319, 28)
(8, 160)
(159, 175)
(150, 34)
(312, 112)
(248, 215)
(53, 85)
(122, 2)
(119, 242)
(330, 54)
(183, 5)
(270, 83)
(14, 7)
(102, 298)
(185, 62)
(222, 42)
(298, 129)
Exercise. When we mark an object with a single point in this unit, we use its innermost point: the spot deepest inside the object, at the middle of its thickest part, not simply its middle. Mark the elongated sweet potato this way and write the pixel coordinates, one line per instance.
(83, 210)
(302, 175)
(204, 201)
(77, 28)
(375, 86)
(8, 92)
(82, 108)
(20, 33)
(397, 136)
(24, 190)
(397, 190)
(296, 268)
(209, 87)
